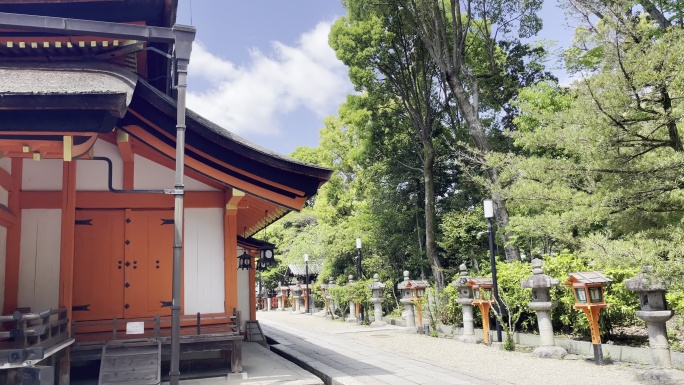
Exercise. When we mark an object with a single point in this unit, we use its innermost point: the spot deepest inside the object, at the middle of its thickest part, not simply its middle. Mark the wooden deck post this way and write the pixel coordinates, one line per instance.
(13, 240)
(230, 264)
(66, 260)
(252, 285)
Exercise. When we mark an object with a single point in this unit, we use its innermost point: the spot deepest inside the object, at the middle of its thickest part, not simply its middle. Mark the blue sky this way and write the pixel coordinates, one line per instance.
(263, 69)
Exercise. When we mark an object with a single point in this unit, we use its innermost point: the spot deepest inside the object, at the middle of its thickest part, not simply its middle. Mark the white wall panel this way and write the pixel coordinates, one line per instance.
(150, 175)
(3, 251)
(92, 175)
(243, 294)
(39, 259)
(244, 290)
(203, 261)
(42, 175)
(6, 164)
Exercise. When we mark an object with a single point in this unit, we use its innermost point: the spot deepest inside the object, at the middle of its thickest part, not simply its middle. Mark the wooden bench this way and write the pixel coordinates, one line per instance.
(199, 333)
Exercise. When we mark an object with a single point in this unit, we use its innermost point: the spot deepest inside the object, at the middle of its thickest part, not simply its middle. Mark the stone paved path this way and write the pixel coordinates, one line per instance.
(341, 361)
(349, 354)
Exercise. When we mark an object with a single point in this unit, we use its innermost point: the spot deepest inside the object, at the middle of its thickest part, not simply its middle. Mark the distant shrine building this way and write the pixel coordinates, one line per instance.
(88, 146)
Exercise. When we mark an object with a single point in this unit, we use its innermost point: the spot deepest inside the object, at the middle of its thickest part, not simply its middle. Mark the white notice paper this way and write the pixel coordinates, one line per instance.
(135, 328)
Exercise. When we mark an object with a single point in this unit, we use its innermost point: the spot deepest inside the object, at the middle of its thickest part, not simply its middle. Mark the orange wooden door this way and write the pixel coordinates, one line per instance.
(148, 263)
(98, 265)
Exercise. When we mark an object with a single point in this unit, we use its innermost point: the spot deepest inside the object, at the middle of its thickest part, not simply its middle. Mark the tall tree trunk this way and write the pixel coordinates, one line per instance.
(476, 131)
(430, 212)
(447, 47)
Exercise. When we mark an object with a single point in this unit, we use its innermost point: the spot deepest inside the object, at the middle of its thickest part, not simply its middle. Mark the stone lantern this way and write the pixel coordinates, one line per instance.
(269, 295)
(296, 291)
(655, 313)
(329, 306)
(281, 292)
(305, 288)
(377, 288)
(465, 299)
(352, 306)
(541, 285)
(411, 290)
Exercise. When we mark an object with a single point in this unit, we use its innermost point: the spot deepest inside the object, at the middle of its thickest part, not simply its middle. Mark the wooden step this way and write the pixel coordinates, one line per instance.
(128, 364)
(254, 332)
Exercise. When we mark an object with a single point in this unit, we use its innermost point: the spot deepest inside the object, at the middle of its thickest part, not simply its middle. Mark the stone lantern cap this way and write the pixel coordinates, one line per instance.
(330, 284)
(538, 280)
(351, 280)
(376, 284)
(645, 282)
(462, 280)
(582, 279)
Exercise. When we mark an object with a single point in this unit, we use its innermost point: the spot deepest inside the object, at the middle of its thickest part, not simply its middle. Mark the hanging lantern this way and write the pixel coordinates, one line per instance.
(245, 262)
(261, 265)
(267, 254)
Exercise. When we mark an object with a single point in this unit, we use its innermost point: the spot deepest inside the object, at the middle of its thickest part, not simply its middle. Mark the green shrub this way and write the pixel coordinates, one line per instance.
(452, 312)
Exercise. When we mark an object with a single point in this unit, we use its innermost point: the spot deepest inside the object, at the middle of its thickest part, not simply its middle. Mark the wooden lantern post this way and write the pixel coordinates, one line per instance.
(587, 287)
(483, 298)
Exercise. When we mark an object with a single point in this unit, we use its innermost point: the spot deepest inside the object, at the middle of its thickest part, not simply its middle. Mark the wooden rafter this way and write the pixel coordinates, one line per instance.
(151, 140)
(218, 161)
(6, 180)
(148, 153)
(123, 141)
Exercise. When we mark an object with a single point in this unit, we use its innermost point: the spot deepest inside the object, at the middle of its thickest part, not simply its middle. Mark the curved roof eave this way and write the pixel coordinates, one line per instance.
(218, 134)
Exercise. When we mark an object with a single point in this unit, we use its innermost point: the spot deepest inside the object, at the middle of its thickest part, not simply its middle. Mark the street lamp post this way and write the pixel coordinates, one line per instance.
(306, 263)
(489, 214)
(359, 271)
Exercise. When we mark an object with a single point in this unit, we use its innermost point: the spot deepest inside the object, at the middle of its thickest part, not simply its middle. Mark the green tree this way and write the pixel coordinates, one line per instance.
(462, 40)
(390, 63)
(601, 171)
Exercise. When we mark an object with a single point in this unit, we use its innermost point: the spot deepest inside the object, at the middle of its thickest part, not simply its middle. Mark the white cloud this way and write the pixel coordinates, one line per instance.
(252, 98)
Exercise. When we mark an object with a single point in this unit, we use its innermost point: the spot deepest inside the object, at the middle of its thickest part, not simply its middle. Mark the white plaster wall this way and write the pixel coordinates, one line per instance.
(243, 294)
(150, 175)
(3, 253)
(6, 164)
(203, 261)
(92, 175)
(39, 258)
(42, 175)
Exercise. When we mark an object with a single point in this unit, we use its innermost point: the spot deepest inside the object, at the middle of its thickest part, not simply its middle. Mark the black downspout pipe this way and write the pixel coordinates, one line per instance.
(110, 185)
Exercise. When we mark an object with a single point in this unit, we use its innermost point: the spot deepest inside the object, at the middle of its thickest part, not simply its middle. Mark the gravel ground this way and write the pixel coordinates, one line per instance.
(510, 367)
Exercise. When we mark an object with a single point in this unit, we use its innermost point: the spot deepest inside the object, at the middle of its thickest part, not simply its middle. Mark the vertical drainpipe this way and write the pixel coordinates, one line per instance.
(182, 48)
